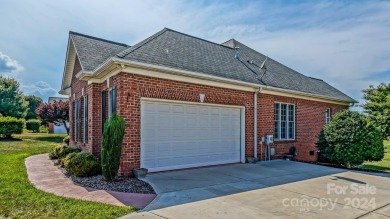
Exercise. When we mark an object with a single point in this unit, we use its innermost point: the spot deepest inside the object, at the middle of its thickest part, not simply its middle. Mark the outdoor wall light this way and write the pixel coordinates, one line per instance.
(201, 97)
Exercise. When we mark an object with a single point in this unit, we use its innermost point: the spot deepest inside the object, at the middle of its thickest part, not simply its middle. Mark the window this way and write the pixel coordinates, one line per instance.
(112, 101)
(284, 121)
(327, 115)
(86, 119)
(73, 121)
(78, 120)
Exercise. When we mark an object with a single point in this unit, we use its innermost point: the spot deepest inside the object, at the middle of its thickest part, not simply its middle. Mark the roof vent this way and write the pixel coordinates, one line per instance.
(237, 55)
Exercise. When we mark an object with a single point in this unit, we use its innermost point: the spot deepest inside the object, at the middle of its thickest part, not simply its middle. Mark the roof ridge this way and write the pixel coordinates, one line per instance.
(140, 44)
(272, 59)
(145, 41)
(315, 78)
(208, 41)
(97, 38)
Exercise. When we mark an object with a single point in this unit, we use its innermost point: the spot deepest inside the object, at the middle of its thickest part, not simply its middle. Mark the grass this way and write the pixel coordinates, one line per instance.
(384, 164)
(20, 199)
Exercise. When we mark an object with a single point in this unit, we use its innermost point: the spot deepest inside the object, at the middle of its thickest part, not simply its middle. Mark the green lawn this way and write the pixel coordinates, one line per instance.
(383, 165)
(19, 198)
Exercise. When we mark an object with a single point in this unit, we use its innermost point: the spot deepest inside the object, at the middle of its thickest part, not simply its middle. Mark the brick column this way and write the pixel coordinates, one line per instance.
(94, 119)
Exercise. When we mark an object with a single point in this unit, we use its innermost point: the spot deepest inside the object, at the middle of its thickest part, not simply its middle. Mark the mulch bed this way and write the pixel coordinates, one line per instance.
(120, 184)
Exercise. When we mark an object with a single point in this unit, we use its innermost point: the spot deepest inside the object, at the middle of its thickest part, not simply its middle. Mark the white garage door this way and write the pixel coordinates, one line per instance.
(177, 135)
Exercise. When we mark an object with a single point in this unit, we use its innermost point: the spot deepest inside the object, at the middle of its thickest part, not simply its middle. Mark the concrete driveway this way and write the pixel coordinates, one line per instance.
(273, 189)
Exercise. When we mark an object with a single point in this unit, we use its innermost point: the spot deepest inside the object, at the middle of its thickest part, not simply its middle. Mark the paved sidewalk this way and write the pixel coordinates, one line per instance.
(49, 178)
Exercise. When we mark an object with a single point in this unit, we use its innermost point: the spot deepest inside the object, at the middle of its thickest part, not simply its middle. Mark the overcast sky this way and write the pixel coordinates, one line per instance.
(347, 44)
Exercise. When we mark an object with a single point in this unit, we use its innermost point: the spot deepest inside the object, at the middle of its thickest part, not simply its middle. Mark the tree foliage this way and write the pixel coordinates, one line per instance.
(56, 112)
(12, 102)
(33, 103)
(377, 106)
(114, 130)
(349, 139)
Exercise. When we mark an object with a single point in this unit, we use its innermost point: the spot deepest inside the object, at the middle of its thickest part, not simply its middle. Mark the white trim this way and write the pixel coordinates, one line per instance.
(287, 122)
(301, 95)
(189, 102)
(108, 69)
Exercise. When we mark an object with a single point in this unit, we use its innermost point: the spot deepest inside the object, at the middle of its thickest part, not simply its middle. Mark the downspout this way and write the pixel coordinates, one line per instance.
(255, 124)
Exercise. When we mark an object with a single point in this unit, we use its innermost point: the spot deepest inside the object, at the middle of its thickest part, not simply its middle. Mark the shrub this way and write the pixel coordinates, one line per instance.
(62, 151)
(10, 125)
(349, 139)
(66, 140)
(33, 125)
(82, 164)
(44, 129)
(114, 130)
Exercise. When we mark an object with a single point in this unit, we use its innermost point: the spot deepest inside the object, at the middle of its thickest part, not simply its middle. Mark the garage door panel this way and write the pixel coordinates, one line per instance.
(177, 135)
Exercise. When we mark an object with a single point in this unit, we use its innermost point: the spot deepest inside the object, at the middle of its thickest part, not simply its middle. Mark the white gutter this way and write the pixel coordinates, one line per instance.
(114, 60)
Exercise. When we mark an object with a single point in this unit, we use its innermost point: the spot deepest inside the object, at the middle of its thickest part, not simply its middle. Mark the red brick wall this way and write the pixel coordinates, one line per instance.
(76, 91)
(310, 118)
(310, 115)
(132, 87)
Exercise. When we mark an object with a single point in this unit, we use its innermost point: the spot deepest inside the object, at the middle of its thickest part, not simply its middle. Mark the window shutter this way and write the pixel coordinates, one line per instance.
(113, 100)
(104, 93)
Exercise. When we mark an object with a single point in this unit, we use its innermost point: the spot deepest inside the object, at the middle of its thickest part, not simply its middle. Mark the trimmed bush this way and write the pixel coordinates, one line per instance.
(10, 125)
(33, 125)
(60, 152)
(43, 129)
(350, 139)
(114, 130)
(66, 140)
(82, 164)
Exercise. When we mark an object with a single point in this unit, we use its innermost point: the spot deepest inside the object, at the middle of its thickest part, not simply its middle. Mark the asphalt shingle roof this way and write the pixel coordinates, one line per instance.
(181, 51)
(94, 51)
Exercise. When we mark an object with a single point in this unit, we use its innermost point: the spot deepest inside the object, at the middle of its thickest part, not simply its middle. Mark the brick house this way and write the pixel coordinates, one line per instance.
(189, 102)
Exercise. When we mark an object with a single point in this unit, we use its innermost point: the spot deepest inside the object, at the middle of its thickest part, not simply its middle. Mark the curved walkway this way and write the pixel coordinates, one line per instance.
(49, 178)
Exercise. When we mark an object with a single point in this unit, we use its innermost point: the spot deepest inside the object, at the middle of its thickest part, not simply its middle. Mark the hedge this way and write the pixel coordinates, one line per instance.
(62, 151)
(10, 125)
(82, 164)
(33, 125)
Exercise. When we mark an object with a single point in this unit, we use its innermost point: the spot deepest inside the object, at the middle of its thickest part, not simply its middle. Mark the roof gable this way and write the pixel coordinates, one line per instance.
(169, 48)
(94, 51)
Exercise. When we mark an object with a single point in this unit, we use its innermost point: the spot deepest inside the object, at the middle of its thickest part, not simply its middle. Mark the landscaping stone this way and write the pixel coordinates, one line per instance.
(121, 184)
(45, 176)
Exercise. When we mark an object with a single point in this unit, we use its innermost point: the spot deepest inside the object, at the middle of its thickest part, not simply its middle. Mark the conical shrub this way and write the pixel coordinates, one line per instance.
(114, 130)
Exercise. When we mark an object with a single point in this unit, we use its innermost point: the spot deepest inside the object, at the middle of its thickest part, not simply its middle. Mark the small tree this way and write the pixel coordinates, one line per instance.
(377, 106)
(349, 139)
(114, 130)
(12, 102)
(56, 112)
(33, 103)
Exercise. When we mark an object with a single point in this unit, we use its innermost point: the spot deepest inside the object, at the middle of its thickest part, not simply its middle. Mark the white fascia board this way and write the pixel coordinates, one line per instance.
(100, 74)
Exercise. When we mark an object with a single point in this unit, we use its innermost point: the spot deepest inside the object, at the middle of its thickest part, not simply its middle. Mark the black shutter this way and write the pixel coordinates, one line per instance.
(79, 120)
(86, 119)
(104, 93)
(76, 113)
(113, 98)
(73, 121)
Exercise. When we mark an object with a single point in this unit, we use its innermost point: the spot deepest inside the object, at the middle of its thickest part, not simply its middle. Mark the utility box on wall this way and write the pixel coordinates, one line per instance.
(269, 139)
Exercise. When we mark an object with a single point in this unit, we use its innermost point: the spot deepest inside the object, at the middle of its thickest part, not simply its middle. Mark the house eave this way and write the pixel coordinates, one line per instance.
(115, 65)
